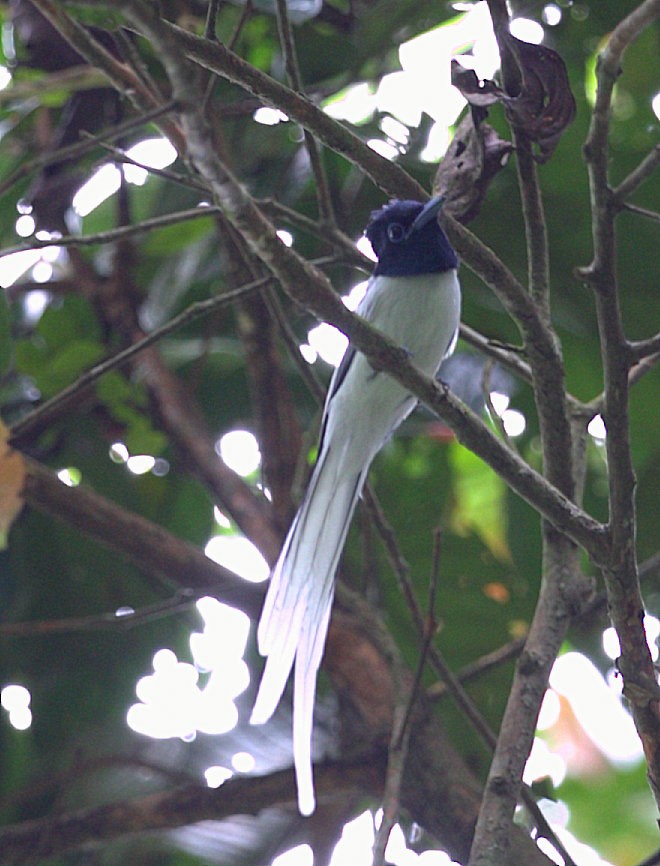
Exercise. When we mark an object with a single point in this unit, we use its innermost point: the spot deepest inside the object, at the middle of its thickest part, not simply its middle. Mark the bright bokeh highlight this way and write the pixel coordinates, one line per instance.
(180, 699)
(16, 699)
(599, 709)
(612, 646)
(552, 14)
(527, 30)
(239, 450)
(597, 430)
(423, 84)
(328, 342)
(155, 153)
(655, 105)
(239, 555)
(217, 775)
(301, 855)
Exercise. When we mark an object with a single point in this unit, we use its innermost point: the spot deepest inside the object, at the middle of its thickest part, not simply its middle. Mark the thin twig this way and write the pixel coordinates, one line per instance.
(646, 365)
(397, 561)
(508, 357)
(324, 198)
(637, 176)
(133, 57)
(211, 18)
(292, 344)
(75, 78)
(175, 176)
(480, 666)
(43, 413)
(636, 372)
(182, 600)
(641, 211)
(403, 711)
(72, 151)
(209, 33)
(643, 349)
(327, 233)
(112, 235)
(430, 630)
(535, 224)
(246, 14)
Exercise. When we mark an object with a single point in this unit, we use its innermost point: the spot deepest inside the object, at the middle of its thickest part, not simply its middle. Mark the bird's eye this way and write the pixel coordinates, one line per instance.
(396, 232)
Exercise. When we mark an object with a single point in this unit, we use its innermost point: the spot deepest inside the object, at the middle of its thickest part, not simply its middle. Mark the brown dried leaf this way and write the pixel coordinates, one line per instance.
(545, 106)
(477, 93)
(12, 478)
(542, 109)
(475, 155)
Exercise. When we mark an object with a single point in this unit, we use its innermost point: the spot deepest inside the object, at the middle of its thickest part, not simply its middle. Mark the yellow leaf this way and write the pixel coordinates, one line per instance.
(12, 479)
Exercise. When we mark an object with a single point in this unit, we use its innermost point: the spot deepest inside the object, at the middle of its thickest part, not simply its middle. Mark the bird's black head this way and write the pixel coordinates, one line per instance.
(408, 241)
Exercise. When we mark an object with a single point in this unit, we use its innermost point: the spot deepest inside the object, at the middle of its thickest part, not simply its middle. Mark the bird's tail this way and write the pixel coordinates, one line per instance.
(296, 613)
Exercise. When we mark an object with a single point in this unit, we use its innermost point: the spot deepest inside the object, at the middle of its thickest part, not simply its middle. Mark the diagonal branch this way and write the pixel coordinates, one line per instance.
(112, 235)
(306, 285)
(35, 840)
(219, 59)
(120, 75)
(82, 147)
(144, 543)
(27, 426)
(638, 175)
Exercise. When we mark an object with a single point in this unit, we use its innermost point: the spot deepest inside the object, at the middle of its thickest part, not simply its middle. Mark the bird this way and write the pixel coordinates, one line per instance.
(414, 297)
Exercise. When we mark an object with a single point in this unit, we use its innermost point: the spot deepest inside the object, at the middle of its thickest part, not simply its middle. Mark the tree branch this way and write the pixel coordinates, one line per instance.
(120, 75)
(389, 176)
(287, 42)
(560, 582)
(620, 572)
(637, 176)
(80, 148)
(43, 414)
(112, 235)
(144, 543)
(306, 285)
(33, 841)
(642, 350)
(182, 600)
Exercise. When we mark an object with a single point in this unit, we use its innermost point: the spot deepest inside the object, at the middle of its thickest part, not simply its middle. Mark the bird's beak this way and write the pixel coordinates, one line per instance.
(427, 213)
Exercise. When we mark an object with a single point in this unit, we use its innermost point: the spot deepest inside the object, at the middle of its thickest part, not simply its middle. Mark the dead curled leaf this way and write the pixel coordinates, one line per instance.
(475, 155)
(12, 479)
(544, 105)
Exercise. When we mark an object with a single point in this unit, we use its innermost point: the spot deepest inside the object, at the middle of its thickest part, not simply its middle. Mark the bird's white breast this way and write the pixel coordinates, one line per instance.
(421, 314)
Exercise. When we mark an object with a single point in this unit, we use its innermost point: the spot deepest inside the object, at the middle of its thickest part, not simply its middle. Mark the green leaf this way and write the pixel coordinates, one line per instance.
(106, 18)
(142, 438)
(479, 501)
